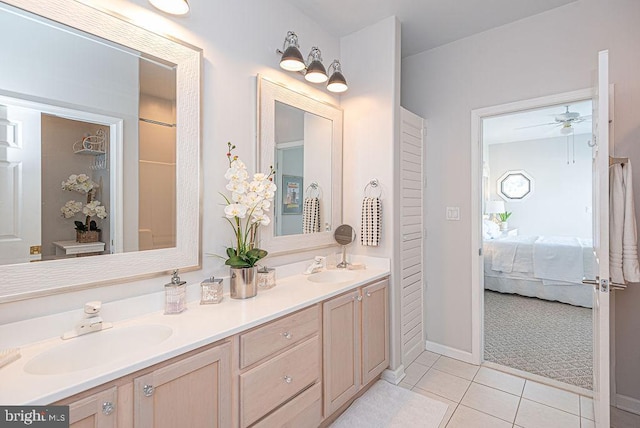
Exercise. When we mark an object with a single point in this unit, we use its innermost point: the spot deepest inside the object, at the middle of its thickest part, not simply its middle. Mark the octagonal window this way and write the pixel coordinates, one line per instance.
(515, 185)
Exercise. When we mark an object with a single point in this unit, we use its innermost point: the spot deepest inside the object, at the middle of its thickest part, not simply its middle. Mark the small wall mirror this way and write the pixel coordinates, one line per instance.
(515, 185)
(302, 138)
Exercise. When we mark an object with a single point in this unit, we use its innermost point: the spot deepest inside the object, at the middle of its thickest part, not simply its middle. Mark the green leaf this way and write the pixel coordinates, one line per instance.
(257, 253)
(237, 262)
(231, 252)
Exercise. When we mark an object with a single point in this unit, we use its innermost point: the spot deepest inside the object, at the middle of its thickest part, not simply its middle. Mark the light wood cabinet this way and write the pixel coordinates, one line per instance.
(193, 392)
(355, 342)
(96, 411)
(280, 369)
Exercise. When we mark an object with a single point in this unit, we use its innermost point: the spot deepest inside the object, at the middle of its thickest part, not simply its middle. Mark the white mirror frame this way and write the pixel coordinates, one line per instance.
(22, 281)
(268, 93)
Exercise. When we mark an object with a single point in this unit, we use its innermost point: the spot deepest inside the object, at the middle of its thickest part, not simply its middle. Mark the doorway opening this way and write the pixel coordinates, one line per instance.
(534, 214)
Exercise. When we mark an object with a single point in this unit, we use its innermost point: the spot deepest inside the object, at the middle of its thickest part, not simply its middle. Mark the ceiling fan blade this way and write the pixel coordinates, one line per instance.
(535, 126)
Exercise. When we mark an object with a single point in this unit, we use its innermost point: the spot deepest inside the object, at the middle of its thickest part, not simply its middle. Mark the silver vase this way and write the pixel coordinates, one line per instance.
(244, 282)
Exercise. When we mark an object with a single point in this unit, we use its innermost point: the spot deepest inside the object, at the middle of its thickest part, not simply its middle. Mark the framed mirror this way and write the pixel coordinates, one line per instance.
(302, 138)
(108, 116)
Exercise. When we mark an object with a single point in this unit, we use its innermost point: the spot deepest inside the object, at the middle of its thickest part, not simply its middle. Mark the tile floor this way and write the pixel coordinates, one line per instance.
(480, 397)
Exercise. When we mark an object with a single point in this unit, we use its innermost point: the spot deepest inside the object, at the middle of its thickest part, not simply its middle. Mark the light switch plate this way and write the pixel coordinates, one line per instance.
(453, 213)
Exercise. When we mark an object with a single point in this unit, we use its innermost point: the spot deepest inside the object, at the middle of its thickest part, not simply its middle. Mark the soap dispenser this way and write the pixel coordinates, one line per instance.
(175, 295)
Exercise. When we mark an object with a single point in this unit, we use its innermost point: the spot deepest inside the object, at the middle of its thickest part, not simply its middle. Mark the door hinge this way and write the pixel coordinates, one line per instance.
(479, 251)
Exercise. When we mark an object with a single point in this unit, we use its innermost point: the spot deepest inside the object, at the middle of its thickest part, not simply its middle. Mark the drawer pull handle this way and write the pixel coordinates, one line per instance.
(107, 407)
(287, 335)
(288, 379)
(368, 293)
(359, 298)
(147, 390)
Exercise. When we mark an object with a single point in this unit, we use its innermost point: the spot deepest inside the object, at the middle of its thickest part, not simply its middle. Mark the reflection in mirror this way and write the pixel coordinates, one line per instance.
(303, 171)
(302, 138)
(92, 114)
(110, 102)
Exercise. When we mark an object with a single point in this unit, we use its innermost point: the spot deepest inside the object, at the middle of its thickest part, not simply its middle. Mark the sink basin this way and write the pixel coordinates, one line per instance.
(333, 276)
(97, 348)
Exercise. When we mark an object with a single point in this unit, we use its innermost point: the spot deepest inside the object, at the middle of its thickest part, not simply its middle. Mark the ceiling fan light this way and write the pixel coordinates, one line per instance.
(173, 7)
(566, 130)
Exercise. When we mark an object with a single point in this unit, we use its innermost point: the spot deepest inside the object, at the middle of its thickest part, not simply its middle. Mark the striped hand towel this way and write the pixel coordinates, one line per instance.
(371, 222)
(311, 215)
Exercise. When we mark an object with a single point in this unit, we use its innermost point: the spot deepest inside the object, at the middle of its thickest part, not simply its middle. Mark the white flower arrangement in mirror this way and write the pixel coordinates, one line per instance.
(82, 183)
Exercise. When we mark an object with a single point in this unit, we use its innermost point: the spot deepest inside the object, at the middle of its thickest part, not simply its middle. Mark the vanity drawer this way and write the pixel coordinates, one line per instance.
(278, 335)
(269, 385)
(304, 411)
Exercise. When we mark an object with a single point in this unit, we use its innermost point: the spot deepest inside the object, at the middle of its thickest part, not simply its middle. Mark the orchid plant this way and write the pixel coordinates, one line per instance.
(81, 183)
(246, 209)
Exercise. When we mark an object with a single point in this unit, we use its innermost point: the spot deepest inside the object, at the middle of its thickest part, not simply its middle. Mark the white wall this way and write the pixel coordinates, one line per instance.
(549, 53)
(371, 64)
(560, 204)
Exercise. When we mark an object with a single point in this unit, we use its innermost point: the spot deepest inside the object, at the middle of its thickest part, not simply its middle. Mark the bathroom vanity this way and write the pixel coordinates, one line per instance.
(296, 354)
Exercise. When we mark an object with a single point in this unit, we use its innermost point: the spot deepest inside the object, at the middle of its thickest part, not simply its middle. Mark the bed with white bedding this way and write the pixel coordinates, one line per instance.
(549, 268)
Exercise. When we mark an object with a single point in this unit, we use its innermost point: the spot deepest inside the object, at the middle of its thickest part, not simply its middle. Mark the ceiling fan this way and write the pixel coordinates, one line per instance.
(564, 121)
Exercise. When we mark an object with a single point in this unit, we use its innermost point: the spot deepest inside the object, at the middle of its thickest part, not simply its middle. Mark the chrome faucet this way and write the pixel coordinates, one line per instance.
(91, 322)
(316, 266)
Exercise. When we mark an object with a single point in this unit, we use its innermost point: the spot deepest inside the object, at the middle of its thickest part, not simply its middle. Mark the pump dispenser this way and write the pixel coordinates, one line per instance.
(175, 295)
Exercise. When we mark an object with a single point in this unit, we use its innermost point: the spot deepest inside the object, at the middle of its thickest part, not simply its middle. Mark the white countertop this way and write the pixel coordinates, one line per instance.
(199, 325)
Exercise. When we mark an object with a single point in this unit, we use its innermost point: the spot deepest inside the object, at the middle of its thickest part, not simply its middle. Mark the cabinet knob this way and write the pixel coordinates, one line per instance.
(359, 298)
(288, 379)
(368, 293)
(107, 408)
(147, 390)
(287, 335)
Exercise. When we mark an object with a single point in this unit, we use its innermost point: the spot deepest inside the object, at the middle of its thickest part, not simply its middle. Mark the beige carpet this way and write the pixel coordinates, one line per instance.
(385, 406)
(550, 339)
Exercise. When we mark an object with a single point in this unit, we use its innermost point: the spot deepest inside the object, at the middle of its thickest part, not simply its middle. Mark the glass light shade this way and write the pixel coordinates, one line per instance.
(566, 130)
(337, 83)
(174, 7)
(494, 207)
(292, 59)
(316, 72)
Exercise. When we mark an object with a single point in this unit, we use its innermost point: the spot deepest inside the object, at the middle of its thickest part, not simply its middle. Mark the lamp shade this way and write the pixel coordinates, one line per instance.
(494, 207)
(337, 82)
(174, 7)
(316, 72)
(292, 59)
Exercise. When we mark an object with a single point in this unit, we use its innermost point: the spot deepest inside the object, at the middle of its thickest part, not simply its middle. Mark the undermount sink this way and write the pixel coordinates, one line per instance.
(97, 348)
(333, 276)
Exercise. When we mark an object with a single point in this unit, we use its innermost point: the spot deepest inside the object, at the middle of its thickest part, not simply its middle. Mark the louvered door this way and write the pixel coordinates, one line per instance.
(411, 246)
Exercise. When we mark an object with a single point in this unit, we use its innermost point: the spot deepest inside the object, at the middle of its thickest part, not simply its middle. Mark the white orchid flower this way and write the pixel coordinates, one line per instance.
(235, 210)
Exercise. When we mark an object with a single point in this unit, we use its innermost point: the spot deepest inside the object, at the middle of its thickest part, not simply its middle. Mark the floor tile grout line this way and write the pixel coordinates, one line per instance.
(551, 407)
(489, 414)
(498, 389)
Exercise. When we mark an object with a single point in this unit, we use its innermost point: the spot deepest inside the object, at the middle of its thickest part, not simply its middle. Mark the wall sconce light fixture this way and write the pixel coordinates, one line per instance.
(173, 7)
(291, 60)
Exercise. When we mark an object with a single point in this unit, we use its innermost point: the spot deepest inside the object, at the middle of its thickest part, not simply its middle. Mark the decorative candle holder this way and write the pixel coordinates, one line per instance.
(266, 278)
(211, 291)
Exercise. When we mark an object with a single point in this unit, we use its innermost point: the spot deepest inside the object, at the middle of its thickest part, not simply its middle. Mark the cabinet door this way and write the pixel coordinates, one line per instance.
(375, 330)
(194, 392)
(95, 411)
(341, 340)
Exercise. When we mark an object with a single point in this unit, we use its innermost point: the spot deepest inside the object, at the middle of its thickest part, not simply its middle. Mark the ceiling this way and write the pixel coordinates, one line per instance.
(534, 124)
(426, 24)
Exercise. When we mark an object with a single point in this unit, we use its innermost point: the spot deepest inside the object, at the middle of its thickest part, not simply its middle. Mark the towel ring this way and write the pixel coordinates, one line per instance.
(311, 188)
(371, 187)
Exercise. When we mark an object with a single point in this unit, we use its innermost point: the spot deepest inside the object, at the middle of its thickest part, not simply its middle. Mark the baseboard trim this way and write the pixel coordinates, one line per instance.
(394, 376)
(628, 404)
(447, 351)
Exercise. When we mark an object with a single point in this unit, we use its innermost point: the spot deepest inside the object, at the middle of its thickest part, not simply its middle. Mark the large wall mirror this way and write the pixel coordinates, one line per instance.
(302, 138)
(99, 141)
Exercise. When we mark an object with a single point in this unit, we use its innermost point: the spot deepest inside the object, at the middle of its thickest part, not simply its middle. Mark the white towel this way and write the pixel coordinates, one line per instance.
(371, 222)
(558, 259)
(616, 222)
(623, 238)
(311, 215)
